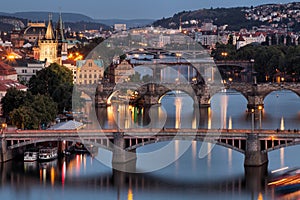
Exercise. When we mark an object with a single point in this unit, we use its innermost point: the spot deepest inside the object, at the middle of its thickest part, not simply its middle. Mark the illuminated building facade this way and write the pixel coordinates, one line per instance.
(89, 71)
(52, 48)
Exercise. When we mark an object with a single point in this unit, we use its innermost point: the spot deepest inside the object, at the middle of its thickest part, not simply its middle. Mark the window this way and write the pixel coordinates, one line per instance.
(90, 76)
(95, 75)
(90, 64)
(85, 76)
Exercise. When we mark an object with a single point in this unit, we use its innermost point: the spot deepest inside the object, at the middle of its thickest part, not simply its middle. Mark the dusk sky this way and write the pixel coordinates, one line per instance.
(124, 9)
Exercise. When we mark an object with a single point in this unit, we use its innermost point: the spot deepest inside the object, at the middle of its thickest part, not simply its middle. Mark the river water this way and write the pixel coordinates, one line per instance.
(218, 175)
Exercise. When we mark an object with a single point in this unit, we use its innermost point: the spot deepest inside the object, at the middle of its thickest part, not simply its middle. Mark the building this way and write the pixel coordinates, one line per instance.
(8, 79)
(89, 71)
(34, 31)
(120, 27)
(164, 40)
(53, 46)
(7, 72)
(245, 39)
(208, 39)
(26, 68)
(122, 71)
(71, 65)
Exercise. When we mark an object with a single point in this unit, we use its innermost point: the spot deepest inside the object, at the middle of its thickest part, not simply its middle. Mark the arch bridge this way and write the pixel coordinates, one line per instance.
(123, 143)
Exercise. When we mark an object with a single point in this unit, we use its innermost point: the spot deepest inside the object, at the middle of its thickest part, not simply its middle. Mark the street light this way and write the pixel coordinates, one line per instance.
(252, 120)
(260, 108)
(3, 127)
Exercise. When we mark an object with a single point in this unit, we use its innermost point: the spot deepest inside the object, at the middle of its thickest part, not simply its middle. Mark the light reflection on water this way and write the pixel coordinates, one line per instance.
(220, 174)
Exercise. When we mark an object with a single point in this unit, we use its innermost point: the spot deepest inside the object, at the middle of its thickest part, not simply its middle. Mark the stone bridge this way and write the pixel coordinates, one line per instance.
(151, 93)
(256, 93)
(254, 144)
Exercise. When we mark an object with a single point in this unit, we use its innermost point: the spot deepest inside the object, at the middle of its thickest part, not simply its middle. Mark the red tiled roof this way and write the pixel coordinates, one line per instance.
(6, 84)
(6, 69)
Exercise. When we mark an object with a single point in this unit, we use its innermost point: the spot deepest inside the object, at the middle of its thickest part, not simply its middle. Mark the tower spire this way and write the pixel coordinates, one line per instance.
(180, 25)
(49, 33)
(60, 29)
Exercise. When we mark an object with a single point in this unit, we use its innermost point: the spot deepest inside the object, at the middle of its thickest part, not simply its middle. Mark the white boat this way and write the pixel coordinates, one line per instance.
(30, 156)
(47, 154)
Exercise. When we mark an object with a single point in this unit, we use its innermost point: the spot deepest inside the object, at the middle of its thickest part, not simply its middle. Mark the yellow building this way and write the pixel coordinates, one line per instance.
(53, 46)
(123, 71)
(89, 71)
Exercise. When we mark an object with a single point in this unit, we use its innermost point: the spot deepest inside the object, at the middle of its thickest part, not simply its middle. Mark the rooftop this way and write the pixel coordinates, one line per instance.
(6, 84)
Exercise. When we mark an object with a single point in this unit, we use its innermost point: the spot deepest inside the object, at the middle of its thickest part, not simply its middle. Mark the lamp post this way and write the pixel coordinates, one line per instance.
(252, 120)
(253, 80)
(260, 110)
(3, 127)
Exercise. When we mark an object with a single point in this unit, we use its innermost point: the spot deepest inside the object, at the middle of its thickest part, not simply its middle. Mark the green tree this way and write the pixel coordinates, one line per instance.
(14, 99)
(45, 109)
(32, 115)
(55, 81)
(24, 117)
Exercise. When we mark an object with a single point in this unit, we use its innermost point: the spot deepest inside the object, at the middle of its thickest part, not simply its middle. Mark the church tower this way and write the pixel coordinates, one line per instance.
(62, 42)
(53, 46)
(48, 45)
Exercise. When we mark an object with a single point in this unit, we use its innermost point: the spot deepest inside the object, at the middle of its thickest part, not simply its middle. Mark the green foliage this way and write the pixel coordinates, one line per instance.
(14, 99)
(55, 81)
(24, 118)
(41, 110)
(268, 60)
(50, 92)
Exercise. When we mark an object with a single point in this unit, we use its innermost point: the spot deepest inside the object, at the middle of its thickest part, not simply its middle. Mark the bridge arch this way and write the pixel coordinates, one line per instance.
(265, 95)
(283, 145)
(230, 91)
(176, 92)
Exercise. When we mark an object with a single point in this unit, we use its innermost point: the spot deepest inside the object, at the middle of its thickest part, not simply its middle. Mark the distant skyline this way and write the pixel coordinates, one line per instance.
(124, 9)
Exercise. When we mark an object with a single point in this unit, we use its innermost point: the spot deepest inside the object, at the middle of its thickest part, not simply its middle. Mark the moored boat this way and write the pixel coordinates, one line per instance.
(47, 154)
(30, 156)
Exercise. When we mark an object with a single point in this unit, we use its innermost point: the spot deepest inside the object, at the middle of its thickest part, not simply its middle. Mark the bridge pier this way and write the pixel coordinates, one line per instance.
(5, 154)
(254, 157)
(122, 160)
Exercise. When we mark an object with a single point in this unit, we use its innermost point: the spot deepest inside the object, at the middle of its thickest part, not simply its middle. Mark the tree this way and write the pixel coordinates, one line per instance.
(32, 115)
(14, 99)
(24, 118)
(55, 81)
(45, 109)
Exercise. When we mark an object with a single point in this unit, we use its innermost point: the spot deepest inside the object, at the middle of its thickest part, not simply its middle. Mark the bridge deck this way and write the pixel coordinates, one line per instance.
(147, 132)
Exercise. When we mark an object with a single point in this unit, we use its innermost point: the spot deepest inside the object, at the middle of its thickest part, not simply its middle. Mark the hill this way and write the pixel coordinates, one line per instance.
(42, 16)
(286, 16)
(130, 23)
(76, 22)
(233, 17)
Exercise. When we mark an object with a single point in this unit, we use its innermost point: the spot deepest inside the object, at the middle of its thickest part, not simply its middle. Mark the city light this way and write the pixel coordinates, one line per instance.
(224, 54)
(75, 56)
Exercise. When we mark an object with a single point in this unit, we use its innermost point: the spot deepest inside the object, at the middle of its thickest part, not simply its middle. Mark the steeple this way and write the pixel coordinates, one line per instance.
(59, 29)
(49, 33)
(180, 25)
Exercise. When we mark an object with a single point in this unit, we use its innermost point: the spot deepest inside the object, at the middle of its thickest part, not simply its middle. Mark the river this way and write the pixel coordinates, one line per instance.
(218, 175)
